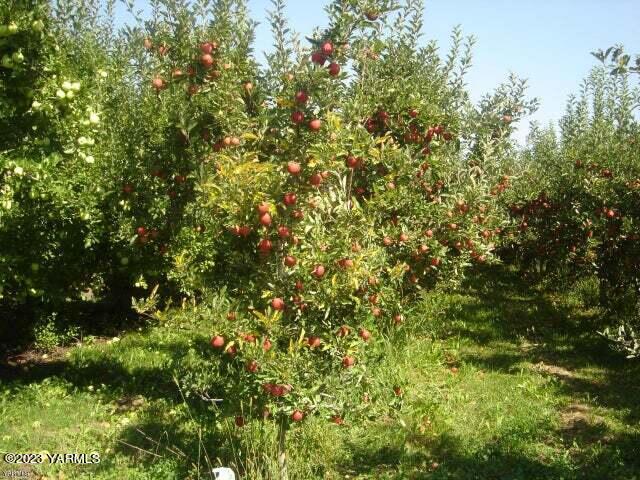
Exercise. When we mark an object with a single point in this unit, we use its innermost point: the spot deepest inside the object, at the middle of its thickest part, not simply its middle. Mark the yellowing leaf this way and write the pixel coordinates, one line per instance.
(249, 136)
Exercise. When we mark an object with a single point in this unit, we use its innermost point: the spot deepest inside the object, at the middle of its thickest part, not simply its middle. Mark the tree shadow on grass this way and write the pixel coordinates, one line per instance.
(448, 457)
(102, 367)
(508, 324)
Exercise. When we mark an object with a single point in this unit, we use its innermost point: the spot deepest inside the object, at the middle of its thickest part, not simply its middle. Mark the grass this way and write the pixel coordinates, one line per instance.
(501, 380)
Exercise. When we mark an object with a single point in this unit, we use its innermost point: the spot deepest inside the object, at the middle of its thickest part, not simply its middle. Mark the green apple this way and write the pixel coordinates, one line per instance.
(17, 57)
(60, 94)
(7, 62)
(12, 28)
(66, 85)
(37, 25)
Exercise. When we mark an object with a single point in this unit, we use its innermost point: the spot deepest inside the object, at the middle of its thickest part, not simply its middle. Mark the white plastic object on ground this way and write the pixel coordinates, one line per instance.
(223, 473)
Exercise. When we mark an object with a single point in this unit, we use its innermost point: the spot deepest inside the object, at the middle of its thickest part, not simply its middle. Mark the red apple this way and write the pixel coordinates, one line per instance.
(297, 416)
(290, 198)
(352, 162)
(263, 208)
(294, 168)
(265, 245)
(208, 47)
(364, 334)
(240, 422)
(318, 271)
(248, 337)
(313, 341)
(301, 97)
(290, 261)
(372, 15)
(343, 331)
(206, 60)
(265, 219)
(318, 58)
(277, 304)
(297, 117)
(217, 341)
(327, 48)
(158, 83)
(283, 232)
(337, 419)
(251, 366)
(383, 116)
(315, 179)
(345, 263)
(348, 362)
(315, 125)
(334, 69)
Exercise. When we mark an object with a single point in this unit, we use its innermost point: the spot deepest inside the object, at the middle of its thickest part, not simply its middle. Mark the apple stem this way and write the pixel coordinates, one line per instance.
(282, 453)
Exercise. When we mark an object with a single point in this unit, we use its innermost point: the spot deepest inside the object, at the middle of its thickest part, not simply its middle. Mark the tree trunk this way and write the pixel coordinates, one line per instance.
(282, 452)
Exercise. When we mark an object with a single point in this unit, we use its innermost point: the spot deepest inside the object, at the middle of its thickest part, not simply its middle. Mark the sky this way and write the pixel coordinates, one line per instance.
(547, 42)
